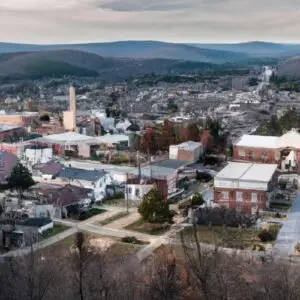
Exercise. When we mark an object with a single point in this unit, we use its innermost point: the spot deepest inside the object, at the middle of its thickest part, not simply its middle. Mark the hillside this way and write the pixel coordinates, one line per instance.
(289, 68)
(137, 49)
(257, 49)
(70, 62)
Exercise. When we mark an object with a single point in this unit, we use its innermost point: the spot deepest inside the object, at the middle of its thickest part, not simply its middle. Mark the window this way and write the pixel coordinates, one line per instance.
(264, 156)
(129, 190)
(253, 197)
(239, 196)
(225, 196)
(254, 210)
(251, 155)
(241, 152)
(137, 192)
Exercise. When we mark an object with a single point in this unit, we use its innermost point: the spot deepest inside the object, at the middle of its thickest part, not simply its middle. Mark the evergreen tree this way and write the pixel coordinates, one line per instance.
(155, 209)
(20, 179)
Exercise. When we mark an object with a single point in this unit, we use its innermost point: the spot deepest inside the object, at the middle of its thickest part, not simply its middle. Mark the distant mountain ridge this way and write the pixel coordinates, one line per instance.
(256, 48)
(137, 49)
(57, 63)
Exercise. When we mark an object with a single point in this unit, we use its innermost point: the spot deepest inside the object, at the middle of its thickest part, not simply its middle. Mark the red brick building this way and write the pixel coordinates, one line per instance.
(245, 186)
(283, 151)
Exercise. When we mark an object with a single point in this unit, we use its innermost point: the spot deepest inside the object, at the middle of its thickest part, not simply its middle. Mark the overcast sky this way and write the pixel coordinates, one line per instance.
(69, 21)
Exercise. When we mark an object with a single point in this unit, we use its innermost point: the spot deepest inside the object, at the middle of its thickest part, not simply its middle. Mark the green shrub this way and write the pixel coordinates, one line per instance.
(258, 247)
(197, 200)
(132, 240)
(268, 235)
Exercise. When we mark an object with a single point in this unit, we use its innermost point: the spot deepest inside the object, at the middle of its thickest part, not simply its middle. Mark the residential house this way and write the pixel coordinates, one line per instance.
(62, 198)
(136, 189)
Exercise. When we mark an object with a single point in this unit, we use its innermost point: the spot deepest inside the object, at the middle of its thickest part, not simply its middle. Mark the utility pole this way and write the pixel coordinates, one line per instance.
(126, 191)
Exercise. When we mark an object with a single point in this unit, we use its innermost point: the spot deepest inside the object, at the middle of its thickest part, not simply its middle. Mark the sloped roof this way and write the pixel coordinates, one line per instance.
(81, 174)
(289, 140)
(258, 141)
(51, 168)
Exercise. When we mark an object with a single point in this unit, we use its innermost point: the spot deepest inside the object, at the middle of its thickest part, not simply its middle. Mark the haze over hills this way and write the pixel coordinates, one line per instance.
(256, 48)
(120, 60)
(137, 49)
(213, 53)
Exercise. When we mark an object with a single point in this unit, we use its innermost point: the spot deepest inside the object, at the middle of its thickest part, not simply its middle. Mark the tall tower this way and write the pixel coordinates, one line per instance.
(72, 99)
(70, 115)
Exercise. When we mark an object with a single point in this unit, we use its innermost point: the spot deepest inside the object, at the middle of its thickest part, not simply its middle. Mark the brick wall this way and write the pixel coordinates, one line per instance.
(185, 155)
(245, 204)
(261, 155)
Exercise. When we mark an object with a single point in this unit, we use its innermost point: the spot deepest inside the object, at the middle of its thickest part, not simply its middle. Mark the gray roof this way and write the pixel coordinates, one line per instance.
(81, 174)
(171, 164)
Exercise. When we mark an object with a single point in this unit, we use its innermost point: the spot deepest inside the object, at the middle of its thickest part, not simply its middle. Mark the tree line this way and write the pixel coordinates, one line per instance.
(194, 272)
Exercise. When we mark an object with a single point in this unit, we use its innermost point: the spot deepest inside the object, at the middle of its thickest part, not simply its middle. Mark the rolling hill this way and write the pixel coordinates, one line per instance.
(78, 63)
(289, 68)
(137, 49)
(256, 49)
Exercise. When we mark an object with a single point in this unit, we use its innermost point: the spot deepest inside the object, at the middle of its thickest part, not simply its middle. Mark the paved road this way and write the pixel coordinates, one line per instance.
(289, 235)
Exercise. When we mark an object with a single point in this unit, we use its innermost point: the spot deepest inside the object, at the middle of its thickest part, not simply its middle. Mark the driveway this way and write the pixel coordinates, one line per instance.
(289, 235)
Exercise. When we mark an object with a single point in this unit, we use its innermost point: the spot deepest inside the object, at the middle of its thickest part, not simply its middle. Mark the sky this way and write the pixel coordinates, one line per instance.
(198, 21)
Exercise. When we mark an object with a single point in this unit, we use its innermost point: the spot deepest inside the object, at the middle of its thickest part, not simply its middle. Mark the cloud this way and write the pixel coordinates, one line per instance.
(57, 21)
(144, 5)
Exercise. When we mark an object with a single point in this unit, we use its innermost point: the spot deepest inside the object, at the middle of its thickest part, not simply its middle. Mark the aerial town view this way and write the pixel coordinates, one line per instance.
(149, 150)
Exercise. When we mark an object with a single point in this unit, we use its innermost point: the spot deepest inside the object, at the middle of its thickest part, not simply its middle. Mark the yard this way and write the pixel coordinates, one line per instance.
(57, 228)
(112, 246)
(113, 218)
(148, 228)
(88, 214)
(237, 238)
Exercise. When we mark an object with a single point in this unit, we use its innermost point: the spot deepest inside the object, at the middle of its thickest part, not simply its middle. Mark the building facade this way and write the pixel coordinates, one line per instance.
(283, 151)
(245, 186)
(187, 151)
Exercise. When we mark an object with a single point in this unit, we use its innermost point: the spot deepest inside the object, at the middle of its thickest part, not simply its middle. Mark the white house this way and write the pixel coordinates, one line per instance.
(136, 189)
(97, 180)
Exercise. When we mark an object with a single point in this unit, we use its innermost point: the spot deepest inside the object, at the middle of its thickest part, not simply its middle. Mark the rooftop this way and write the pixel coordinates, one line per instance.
(81, 174)
(112, 138)
(171, 164)
(190, 145)
(290, 139)
(67, 138)
(4, 127)
(258, 141)
(247, 172)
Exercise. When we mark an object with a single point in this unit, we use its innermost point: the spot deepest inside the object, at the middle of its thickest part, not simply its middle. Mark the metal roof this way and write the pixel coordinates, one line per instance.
(258, 141)
(171, 164)
(247, 172)
(67, 138)
(81, 174)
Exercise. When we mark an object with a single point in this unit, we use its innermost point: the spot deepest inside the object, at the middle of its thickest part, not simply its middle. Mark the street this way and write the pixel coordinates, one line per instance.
(289, 235)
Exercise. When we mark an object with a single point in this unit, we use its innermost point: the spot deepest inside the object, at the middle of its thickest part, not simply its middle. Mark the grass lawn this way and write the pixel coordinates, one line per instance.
(148, 228)
(57, 228)
(225, 237)
(113, 218)
(123, 249)
(117, 248)
(90, 213)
